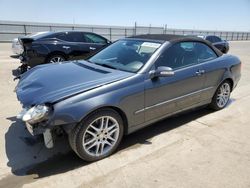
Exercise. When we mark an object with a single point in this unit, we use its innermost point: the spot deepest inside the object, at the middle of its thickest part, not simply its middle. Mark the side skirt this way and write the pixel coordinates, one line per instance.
(140, 126)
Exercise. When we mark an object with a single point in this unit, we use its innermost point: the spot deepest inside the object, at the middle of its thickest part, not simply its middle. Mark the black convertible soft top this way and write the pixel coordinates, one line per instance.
(174, 39)
(163, 37)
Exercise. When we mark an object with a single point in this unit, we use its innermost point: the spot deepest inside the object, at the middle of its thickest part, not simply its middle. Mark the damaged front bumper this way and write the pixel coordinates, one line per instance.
(38, 130)
(33, 118)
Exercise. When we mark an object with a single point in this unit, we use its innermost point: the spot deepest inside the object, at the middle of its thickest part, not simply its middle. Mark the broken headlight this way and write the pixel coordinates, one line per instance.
(35, 114)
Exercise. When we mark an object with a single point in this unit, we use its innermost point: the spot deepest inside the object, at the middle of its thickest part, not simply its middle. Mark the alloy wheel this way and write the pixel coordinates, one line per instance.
(223, 95)
(101, 136)
(56, 59)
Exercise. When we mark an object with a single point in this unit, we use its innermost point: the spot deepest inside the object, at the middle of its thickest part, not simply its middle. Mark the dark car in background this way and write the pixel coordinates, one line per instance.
(222, 45)
(128, 85)
(52, 47)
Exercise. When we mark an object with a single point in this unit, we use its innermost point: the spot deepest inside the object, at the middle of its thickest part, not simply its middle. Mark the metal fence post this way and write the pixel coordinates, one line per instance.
(166, 28)
(25, 30)
(110, 34)
(135, 28)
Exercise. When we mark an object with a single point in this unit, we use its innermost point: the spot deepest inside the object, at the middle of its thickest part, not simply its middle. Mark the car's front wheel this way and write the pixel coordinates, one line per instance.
(97, 136)
(221, 96)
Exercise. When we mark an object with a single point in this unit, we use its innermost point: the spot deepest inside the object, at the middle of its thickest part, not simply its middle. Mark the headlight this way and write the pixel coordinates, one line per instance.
(36, 114)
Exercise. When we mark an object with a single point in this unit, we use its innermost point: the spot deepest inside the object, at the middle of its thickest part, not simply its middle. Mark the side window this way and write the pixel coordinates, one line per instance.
(61, 36)
(179, 55)
(71, 36)
(217, 39)
(210, 39)
(205, 53)
(185, 54)
(91, 38)
(75, 37)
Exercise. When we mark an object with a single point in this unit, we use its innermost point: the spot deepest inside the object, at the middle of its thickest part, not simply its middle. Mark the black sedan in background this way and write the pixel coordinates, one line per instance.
(52, 47)
(222, 45)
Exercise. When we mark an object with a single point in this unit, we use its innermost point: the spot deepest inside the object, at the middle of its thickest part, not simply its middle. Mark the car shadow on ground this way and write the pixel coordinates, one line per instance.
(23, 150)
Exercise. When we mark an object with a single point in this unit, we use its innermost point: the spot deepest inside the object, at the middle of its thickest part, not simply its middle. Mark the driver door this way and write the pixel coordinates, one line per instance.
(166, 95)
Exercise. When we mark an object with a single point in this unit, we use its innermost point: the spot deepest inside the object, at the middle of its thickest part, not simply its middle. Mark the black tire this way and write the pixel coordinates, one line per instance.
(215, 105)
(76, 136)
(53, 57)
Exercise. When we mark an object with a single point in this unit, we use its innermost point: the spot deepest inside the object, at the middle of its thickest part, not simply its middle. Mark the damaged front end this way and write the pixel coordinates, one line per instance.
(36, 120)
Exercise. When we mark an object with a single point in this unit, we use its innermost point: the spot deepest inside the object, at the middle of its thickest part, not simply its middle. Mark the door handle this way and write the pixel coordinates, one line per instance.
(200, 72)
(92, 48)
(66, 47)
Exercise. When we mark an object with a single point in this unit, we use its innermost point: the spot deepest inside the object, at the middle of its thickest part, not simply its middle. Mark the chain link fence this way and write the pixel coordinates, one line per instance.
(11, 30)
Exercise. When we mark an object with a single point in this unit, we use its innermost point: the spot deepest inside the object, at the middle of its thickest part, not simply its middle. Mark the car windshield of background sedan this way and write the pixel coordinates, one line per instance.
(126, 55)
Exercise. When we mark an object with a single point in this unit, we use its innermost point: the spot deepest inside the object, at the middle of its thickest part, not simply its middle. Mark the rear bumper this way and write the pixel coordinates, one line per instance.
(236, 80)
(30, 61)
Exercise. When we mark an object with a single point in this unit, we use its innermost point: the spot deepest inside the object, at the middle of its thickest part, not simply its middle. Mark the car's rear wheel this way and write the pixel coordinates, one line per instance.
(55, 58)
(97, 136)
(221, 96)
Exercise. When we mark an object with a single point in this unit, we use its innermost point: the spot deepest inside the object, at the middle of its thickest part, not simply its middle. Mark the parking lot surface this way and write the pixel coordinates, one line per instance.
(199, 148)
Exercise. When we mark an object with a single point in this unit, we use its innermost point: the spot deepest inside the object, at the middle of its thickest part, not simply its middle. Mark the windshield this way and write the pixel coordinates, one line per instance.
(126, 55)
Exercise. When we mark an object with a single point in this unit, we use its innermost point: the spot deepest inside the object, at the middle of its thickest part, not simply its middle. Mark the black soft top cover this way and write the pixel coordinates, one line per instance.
(175, 39)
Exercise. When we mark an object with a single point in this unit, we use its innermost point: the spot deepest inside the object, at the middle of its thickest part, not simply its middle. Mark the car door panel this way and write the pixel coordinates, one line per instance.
(94, 43)
(213, 75)
(169, 94)
(90, 48)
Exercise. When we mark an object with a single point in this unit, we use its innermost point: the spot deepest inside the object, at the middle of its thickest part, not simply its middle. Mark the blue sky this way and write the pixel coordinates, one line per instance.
(187, 14)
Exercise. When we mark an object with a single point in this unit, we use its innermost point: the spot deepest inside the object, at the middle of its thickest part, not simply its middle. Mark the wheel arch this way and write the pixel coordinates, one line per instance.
(56, 53)
(68, 128)
(116, 109)
(230, 80)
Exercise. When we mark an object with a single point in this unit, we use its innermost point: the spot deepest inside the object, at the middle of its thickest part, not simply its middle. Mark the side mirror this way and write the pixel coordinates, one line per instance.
(161, 72)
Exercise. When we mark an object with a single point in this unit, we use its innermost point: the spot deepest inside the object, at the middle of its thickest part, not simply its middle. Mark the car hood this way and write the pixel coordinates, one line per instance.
(53, 82)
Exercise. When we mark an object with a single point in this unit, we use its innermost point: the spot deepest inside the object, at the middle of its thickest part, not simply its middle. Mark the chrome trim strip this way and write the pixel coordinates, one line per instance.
(171, 100)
